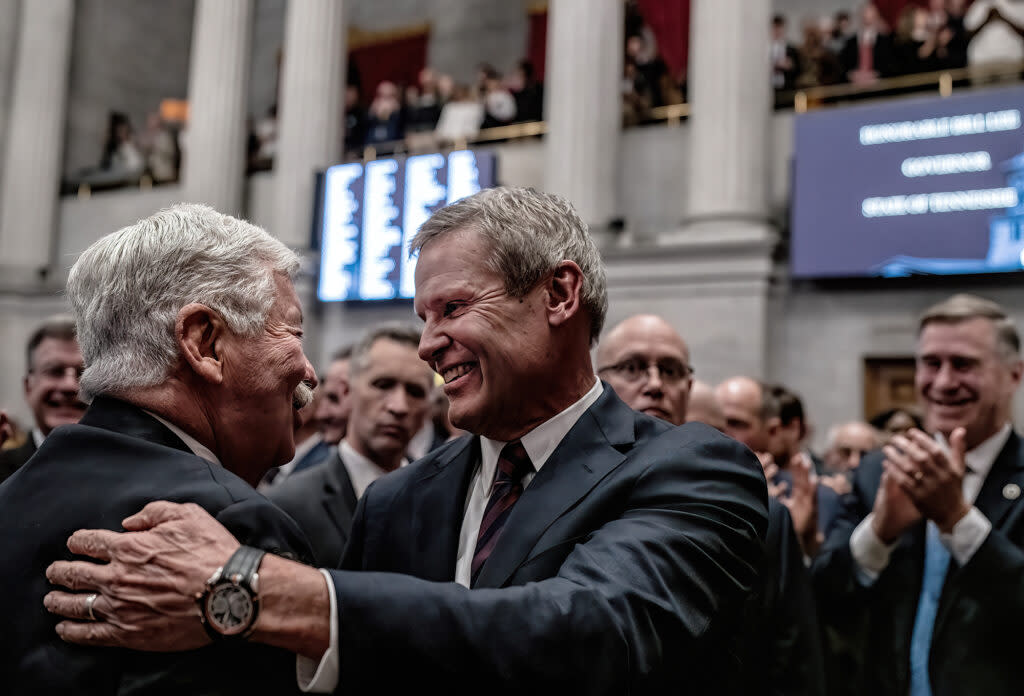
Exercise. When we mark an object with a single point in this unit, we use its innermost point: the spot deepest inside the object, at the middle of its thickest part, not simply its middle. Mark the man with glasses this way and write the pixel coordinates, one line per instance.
(51, 386)
(648, 365)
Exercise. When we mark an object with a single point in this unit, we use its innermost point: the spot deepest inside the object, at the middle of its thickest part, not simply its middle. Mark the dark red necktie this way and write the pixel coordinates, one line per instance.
(513, 464)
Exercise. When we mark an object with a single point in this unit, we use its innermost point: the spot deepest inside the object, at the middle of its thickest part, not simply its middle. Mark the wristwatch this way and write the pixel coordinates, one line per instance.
(231, 602)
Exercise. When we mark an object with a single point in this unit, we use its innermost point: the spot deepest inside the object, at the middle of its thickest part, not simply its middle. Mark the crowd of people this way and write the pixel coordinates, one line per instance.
(478, 500)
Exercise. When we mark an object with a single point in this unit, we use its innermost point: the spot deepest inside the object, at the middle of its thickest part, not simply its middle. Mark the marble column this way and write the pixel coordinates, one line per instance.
(213, 166)
(730, 96)
(711, 275)
(582, 105)
(35, 141)
(310, 111)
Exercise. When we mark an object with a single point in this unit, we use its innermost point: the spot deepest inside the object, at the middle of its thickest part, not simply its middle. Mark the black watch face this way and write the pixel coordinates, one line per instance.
(229, 609)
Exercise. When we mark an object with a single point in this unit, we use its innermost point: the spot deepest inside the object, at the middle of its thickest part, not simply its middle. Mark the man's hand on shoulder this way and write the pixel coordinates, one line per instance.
(146, 591)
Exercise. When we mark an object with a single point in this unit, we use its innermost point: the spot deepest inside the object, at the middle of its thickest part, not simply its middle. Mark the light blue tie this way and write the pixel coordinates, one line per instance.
(936, 561)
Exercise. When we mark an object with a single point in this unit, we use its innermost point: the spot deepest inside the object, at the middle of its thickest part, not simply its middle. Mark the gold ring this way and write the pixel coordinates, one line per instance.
(89, 601)
(918, 475)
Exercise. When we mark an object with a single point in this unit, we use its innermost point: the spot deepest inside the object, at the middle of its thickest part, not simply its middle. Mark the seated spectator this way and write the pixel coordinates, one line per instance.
(460, 118)
(53, 366)
(384, 117)
(355, 122)
(499, 104)
(160, 149)
(818, 64)
(785, 59)
(868, 54)
(528, 93)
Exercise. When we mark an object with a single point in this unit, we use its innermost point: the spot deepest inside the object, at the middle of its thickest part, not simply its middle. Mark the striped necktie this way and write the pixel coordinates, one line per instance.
(513, 464)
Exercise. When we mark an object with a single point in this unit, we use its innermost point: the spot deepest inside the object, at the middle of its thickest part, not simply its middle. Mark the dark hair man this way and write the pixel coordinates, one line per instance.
(191, 331)
(570, 545)
(389, 397)
(52, 367)
(924, 572)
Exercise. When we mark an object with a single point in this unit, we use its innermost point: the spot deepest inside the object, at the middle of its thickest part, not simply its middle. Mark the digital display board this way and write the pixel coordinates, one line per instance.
(370, 212)
(923, 186)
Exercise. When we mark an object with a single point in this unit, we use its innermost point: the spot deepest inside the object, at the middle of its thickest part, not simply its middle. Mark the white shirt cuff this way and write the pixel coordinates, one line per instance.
(322, 677)
(870, 554)
(968, 536)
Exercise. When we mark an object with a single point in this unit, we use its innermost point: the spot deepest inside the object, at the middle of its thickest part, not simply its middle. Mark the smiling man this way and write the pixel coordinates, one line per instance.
(570, 545)
(54, 364)
(191, 331)
(389, 401)
(924, 571)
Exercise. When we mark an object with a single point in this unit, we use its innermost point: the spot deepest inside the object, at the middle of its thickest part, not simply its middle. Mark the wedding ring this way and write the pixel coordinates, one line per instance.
(89, 601)
(918, 475)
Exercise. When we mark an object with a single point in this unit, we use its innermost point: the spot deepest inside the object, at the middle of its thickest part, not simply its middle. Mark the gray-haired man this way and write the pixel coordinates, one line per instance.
(191, 331)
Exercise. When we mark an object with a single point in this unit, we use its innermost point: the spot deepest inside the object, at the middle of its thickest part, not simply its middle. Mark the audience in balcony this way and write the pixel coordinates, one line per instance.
(528, 92)
(384, 118)
(818, 64)
(785, 58)
(867, 56)
(160, 149)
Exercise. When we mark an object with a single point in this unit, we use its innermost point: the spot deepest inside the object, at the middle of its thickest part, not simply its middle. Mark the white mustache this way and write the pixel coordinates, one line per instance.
(303, 396)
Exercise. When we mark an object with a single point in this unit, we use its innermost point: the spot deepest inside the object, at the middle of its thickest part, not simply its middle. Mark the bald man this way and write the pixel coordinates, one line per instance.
(703, 406)
(780, 643)
(647, 363)
(847, 443)
(749, 416)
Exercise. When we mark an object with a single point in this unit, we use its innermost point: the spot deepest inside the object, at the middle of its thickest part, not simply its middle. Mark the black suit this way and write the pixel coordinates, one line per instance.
(321, 499)
(93, 475)
(882, 59)
(624, 567)
(12, 459)
(976, 648)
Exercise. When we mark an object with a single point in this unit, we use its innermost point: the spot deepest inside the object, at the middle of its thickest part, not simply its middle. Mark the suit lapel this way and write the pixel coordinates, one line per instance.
(1008, 468)
(339, 498)
(591, 449)
(122, 417)
(437, 509)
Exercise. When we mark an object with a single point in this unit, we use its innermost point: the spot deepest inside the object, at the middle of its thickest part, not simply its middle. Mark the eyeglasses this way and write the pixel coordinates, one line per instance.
(56, 372)
(635, 369)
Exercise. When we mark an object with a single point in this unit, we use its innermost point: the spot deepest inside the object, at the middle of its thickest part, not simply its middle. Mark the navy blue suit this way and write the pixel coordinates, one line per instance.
(93, 475)
(976, 645)
(623, 568)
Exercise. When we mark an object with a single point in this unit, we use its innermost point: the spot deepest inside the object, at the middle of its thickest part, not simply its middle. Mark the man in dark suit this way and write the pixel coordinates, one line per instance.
(646, 361)
(571, 545)
(389, 398)
(924, 573)
(198, 362)
(868, 54)
(53, 365)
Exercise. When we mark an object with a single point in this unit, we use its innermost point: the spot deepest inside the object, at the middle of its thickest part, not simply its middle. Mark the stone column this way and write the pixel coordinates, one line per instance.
(213, 167)
(31, 168)
(582, 105)
(310, 111)
(730, 95)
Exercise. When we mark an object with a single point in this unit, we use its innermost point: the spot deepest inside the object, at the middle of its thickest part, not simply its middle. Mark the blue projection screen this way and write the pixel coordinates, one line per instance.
(371, 211)
(930, 186)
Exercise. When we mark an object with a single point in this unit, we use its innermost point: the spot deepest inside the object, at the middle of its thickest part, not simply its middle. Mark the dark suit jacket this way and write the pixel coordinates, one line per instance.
(623, 568)
(93, 475)
(321, 499)
(975, 644)
(883, 61)
(12, 459)
(782, 643)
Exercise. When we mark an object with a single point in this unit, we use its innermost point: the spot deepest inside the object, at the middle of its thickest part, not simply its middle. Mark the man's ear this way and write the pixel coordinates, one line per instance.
(562, 299)
(198, 331)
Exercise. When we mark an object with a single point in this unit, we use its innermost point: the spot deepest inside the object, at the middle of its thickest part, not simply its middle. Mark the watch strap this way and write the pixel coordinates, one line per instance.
(243, 565)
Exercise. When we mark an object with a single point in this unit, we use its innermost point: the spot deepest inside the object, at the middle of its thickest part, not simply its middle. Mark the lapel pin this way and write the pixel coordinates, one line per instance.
(1011, 491)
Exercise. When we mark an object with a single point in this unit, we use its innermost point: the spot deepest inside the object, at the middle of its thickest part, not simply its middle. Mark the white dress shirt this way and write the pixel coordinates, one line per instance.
(198, 448)
(539, 443)
(361, 471)
(871, 555)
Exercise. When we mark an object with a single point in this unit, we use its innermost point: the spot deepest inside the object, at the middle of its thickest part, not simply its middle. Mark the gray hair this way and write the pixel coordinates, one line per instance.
(127, 288)
(529, 233)
(964, 307)
(403, 334)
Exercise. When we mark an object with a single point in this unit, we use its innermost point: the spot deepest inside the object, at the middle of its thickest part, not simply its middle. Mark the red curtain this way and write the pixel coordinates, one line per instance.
(398, 60)
(669, 20)
(537, 41)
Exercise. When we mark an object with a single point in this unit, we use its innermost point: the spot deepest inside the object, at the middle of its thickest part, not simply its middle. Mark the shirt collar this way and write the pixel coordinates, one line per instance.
(38, 437)
(540, 442)
(980, 459)
(198, 448)
(361, 470)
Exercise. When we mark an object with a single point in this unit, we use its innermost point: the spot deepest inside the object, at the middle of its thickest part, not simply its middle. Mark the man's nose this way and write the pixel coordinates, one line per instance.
(69, 380)
(398, 401)
(946, 377)
(432, 342)
(309, 377)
